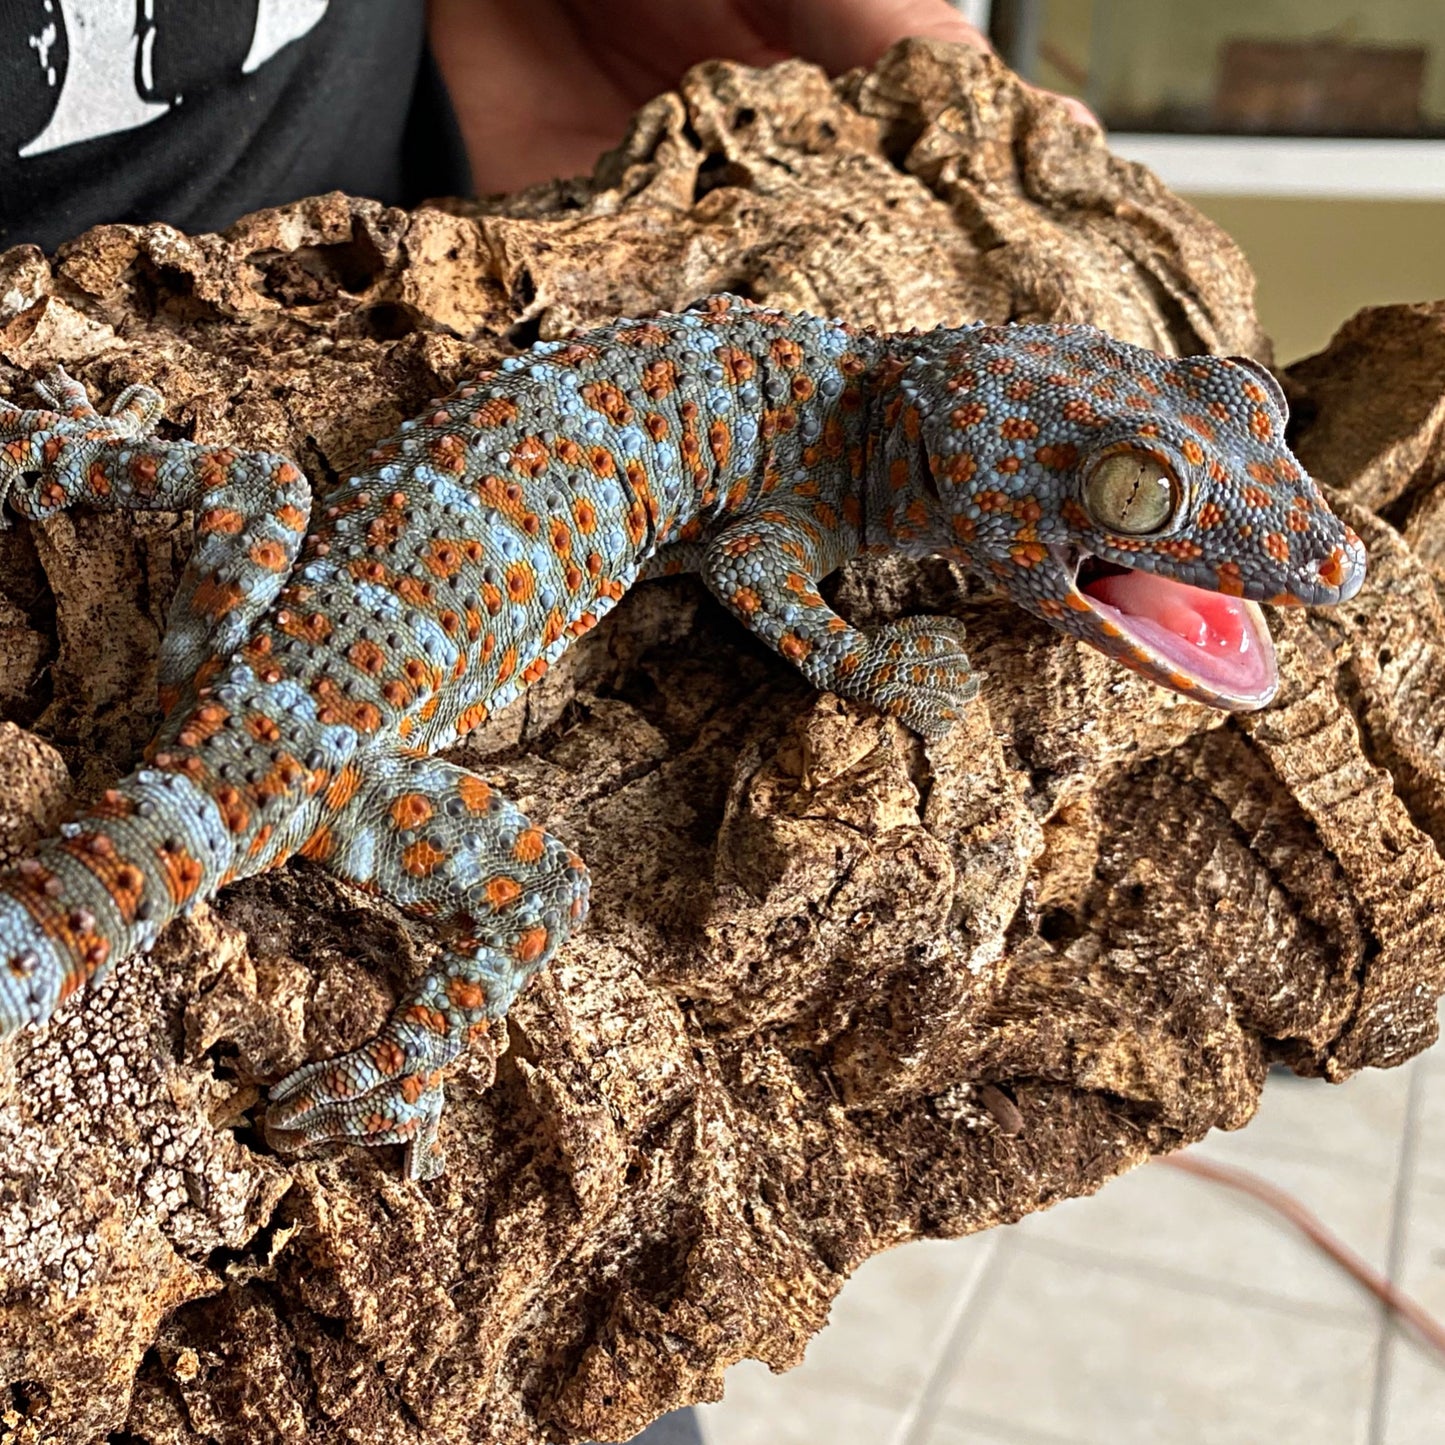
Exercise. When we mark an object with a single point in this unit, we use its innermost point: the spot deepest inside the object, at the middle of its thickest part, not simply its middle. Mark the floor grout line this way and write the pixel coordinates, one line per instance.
(1394, 1258)
(1007, 1430)
(1110, 1263)
(1237, 1150)
(918, 1417)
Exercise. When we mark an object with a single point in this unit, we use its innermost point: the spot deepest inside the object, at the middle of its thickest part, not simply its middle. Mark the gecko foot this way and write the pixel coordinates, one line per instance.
(915, 669)
(45, 456)
(388, 1091)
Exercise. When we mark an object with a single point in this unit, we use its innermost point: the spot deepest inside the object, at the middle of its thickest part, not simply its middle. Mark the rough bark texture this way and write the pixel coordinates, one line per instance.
(839, 990)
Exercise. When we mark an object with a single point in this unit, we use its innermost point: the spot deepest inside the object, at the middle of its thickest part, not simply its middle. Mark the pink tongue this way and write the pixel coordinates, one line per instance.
(1203, 619)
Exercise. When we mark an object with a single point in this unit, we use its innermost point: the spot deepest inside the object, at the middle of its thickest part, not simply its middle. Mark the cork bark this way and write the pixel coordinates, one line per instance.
(839, 989)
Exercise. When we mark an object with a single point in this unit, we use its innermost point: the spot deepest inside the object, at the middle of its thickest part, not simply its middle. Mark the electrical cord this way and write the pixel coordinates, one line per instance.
(1403, 1306)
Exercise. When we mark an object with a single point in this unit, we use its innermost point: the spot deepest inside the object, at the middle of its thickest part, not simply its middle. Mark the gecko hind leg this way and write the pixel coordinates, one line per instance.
(500, 894)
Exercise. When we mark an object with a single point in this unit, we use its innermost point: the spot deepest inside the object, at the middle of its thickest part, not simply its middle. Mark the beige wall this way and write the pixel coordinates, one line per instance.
(1155, 52)
(1320, 261)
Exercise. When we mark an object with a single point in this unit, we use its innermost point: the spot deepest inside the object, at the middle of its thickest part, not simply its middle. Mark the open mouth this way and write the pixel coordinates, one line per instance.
(1187, 638)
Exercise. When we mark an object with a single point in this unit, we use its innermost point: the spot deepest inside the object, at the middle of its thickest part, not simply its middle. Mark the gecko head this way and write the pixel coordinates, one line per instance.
(1144, 504)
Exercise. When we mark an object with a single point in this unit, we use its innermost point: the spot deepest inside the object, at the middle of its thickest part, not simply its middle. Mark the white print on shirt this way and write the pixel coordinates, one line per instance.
(110, 51)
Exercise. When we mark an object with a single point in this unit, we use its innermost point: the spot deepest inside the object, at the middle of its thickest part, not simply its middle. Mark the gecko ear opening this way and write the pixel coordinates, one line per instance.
(930, 485)
(1271, 382)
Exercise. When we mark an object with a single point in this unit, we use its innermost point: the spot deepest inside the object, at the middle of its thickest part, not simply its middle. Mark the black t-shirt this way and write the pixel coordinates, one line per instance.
(197, 111)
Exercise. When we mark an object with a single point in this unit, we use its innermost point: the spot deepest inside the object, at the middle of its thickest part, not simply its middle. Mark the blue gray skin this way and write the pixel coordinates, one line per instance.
(316, 659)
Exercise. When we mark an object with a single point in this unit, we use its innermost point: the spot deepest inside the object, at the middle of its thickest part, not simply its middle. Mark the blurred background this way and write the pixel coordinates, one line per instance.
(1313, 131)
(1169, 1310)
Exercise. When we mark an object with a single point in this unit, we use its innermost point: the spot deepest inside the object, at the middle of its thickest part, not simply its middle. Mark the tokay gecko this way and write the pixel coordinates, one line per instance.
(318, 659)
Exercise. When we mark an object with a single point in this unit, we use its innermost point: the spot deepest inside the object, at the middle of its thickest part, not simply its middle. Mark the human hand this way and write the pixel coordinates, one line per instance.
(542, 87)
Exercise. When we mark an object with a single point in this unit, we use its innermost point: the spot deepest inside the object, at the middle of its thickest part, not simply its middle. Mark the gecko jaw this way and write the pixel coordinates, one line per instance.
(1206, 645)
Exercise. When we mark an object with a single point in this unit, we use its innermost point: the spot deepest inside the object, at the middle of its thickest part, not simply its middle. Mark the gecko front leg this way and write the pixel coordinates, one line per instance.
(765, 569)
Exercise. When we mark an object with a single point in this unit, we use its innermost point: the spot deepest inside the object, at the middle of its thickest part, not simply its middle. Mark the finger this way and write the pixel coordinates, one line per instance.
(841, 34)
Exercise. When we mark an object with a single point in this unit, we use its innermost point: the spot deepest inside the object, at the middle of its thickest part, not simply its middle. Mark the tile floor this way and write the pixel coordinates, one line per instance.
(1166, 1310)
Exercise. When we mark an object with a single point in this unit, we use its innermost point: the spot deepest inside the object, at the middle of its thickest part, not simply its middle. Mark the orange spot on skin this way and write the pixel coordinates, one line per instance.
(959, 468)
(388, 1057)
(466, 994)
(431, 1019)
(220, 520)
(659, 380)
(503, 891)
(1058, 457)
(336, 707)
(270, 556)
(497, 411)
(1193, 452)
(1180, 548)
(521, 582)
(368, 657)
(645, 335)
(531, 945)
(720, 441)
(310, 627)
(343, 788)
(411, 810)
(1259, 424)
(262, 728)
(1018, 428)
(603, 396)
(442, 558)
(472, 717)
(448, 453)
(529, 845)
(476, 795)
(1229, 580)
(234, 812)
(786, 352)
(530, 457)
(215, 599)
(182, 874)
(421, 859)
(1332, 569)
(736, 365)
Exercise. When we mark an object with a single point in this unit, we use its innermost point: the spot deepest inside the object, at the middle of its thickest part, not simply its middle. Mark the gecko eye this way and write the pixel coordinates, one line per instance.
(1131, 492)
